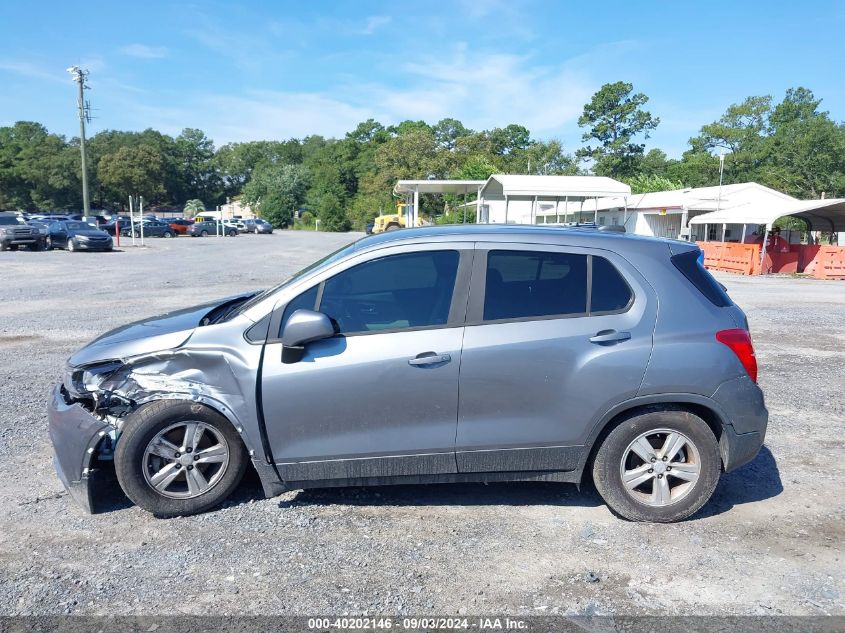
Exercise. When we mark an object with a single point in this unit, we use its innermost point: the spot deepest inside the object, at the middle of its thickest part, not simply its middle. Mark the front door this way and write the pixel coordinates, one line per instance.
(381, 398)
(544, 351)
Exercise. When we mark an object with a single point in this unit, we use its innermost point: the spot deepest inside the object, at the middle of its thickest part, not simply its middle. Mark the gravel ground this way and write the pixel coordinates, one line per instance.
(769, 543)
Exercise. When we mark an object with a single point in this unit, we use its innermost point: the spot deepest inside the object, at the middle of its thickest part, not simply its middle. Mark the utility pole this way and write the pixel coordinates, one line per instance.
(80, 76)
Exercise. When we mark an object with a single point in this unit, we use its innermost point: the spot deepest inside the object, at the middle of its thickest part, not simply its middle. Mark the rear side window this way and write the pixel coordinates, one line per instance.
(698, 275)
(610, 292)
(523, 284)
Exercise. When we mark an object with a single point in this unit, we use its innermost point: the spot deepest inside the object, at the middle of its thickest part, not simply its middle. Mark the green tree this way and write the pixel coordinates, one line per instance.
(133, 171)
(276, 191)
(509, 139)
(643, 183)
(448, 131)
(807, 149)
(193, 207)
(614, 117)
(193, 152)
(37, 169)
(331, 213)
(742, 133)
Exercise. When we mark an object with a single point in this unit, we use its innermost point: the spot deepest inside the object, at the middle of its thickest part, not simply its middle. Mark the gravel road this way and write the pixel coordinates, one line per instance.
(769, 543)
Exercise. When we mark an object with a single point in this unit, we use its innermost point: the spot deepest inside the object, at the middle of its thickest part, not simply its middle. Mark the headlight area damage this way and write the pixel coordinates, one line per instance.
(88, 411)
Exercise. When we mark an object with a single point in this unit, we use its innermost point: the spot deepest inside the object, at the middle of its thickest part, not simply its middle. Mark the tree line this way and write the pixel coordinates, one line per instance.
(791, 145)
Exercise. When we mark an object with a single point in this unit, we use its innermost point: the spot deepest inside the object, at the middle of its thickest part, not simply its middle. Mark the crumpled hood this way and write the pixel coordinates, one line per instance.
(147, 336)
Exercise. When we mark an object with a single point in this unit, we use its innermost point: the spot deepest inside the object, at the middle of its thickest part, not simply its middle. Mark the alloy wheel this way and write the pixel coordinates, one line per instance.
(660, 467)
(185, 460)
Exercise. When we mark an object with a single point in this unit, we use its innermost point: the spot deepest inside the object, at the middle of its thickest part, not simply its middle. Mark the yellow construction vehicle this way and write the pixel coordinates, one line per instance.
(397, 220)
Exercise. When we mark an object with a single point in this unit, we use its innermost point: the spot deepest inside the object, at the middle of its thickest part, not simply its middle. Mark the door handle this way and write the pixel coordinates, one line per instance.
(608, 337)
(429, 358)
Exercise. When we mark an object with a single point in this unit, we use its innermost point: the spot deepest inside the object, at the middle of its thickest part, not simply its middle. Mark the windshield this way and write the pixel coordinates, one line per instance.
(320, 263)
(77, 226)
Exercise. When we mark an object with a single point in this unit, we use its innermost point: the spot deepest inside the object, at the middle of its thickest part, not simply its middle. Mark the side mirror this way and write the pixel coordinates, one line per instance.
(303, 327)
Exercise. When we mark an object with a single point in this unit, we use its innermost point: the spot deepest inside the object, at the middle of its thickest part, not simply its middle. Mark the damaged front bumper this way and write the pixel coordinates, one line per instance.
(76, 435)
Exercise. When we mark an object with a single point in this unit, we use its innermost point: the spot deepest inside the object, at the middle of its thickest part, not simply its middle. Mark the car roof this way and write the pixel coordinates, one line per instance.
(523, 233)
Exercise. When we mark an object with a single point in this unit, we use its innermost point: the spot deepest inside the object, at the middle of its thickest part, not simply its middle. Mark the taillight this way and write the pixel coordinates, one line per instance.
(740, 343)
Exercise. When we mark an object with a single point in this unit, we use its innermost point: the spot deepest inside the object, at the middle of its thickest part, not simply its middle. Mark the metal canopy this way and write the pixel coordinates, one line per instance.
(553, 186)
(405, 187)
(822, 215)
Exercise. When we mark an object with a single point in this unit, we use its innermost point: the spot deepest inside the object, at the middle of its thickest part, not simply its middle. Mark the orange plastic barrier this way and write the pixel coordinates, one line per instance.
(743, 259)
(830, 263)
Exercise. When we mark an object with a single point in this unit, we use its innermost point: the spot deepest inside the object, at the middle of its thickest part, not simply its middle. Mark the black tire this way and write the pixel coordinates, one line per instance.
(168, 234)
(204, 234)
(4, 246)
(233, 233)
(607, 475)
(393, 227)
(142, 426)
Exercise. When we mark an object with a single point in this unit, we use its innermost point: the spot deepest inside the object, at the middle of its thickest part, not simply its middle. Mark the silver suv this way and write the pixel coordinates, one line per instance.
(441, 354)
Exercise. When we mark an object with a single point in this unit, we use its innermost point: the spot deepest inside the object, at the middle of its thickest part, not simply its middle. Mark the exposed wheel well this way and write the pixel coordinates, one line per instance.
(708, 415)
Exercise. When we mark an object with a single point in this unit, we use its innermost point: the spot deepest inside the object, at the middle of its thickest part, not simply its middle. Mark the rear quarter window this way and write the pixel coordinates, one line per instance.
(695, 272)
(610, 292)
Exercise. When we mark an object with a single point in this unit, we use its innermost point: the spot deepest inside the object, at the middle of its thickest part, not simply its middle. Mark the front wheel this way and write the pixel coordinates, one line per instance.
(71, 246)
(176, 458)
(658, 466)
(204, 234)
(168, 234)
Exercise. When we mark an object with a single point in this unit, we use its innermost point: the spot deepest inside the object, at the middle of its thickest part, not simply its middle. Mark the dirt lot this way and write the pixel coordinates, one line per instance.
(769, 543)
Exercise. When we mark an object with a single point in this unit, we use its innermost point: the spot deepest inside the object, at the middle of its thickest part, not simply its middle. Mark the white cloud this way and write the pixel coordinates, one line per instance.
(33, 71)
(142, 51)
(482, 90)
(257, 115)
(374, 23)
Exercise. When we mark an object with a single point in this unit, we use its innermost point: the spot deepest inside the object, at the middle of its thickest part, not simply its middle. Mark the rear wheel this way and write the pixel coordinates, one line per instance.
(168, 234)
(232, 233)
(176, 458)
(204, 234)
(659, 466)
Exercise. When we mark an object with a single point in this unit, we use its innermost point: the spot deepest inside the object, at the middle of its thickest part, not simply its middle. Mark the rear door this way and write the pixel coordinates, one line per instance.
(554, 336)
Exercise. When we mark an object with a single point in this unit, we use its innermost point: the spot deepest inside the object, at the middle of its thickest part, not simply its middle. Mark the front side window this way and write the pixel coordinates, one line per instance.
(523, 284)
(394, 292)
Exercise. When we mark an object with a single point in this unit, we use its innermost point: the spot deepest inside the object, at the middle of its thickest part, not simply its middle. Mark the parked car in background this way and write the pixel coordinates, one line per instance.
(95, 220)
(14, 233)
(151, 228)
(211, 227)
(536, 353)
(180, 225)
(256, 225)
(108, 227)
(43, 228)
(78, 236)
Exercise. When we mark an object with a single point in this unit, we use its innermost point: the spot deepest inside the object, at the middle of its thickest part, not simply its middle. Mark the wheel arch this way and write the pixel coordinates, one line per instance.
(270, 481)
(699, 405)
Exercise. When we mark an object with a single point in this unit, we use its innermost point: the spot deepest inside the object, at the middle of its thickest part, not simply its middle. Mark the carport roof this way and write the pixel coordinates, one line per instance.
(438, 186)
(554, 186)
(822, 215)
